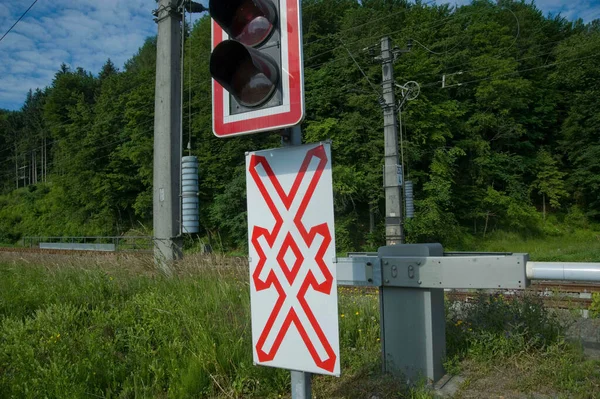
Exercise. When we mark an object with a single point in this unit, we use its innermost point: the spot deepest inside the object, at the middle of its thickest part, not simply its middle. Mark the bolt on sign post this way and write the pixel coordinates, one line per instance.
(293, 286)
(256, 65)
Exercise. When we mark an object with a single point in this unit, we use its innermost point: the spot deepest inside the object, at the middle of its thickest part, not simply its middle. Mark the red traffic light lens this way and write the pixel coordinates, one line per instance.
(248, 75)
(248, 21)
(253, 32)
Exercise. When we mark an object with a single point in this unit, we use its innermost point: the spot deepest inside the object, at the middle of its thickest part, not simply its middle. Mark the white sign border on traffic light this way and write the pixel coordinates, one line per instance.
(273, 118)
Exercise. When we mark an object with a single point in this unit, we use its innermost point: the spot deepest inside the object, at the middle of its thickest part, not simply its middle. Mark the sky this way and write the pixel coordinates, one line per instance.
(85, 33)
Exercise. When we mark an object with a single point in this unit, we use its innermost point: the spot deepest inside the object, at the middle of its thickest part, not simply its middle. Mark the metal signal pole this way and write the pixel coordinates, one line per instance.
(394, 229)
(301, 381)
(167, 140)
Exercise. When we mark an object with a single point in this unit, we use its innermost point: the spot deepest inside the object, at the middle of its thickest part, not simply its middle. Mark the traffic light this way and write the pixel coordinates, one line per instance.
(248, 64)
(256, 65)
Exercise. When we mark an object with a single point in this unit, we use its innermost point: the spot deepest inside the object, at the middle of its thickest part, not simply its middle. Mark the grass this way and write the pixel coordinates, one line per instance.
(578, 245)
(516, 346)
(109, 327)
(76, 333)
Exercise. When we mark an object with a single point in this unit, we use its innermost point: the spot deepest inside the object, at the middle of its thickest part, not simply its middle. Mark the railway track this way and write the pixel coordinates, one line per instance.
(561, 295)
(561, 300)
(551, 286)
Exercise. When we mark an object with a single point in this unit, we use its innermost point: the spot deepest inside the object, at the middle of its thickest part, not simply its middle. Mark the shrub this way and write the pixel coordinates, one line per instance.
(495, 326)
(595, 306)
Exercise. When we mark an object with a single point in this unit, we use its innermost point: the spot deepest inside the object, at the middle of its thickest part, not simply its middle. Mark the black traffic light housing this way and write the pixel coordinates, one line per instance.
(248, 65)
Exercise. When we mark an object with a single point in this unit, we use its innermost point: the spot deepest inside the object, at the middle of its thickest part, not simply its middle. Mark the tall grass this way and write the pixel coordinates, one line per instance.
(521, 338)
(577, 245)
(110, 327)
(76, 333)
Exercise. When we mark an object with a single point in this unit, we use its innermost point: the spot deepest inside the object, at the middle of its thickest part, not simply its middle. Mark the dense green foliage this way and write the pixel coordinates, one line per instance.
(511, 136)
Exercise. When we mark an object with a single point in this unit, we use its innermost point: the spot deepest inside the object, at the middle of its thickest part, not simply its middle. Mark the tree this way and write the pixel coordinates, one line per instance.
(108, 69)
(549, 180)
(578, 78)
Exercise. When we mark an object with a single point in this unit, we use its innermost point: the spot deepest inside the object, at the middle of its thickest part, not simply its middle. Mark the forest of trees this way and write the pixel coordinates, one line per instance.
(511, 137)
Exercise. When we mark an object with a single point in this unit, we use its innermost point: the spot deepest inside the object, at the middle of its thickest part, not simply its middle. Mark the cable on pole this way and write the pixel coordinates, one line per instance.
(360, 69)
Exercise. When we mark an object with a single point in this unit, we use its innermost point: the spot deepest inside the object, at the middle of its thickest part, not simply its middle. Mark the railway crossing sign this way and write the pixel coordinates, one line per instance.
(293, 286)
(256, 65)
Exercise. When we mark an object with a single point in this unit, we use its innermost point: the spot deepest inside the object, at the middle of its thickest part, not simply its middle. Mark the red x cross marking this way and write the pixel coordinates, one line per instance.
(287, 210)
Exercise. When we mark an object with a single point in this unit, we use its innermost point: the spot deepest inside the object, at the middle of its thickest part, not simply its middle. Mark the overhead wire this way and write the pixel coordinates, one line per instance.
(343, 45)
(349, 90)
(337, 33)
(517, 35)
(515, 72)
(448, 70)
(18, 20)
(349, 54)
(361, 70)
(379, 34)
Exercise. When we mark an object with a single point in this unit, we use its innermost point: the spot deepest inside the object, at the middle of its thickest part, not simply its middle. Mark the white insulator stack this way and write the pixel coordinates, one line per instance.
(189, 193)
(409, 200)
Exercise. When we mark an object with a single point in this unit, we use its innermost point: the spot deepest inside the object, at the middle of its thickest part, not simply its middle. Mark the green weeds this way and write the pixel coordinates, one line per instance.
(493, 326)
(595, 306)
(71, 332)
(520, 338)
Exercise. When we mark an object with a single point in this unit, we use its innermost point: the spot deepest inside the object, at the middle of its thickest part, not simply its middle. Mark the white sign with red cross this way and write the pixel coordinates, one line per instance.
(291, 110)
(293, 287)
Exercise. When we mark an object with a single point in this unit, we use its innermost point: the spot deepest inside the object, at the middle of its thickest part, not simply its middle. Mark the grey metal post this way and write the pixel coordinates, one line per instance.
(412, 319)
(394, 231)
(167, 141)
(301, 385)
(413, 329)
(301, 381)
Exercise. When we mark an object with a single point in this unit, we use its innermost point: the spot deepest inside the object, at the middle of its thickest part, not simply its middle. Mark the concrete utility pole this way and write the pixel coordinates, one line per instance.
(394, 229)
(167, 139)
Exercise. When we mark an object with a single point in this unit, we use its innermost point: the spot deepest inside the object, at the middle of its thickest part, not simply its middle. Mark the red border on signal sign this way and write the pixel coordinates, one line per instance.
(271, 121)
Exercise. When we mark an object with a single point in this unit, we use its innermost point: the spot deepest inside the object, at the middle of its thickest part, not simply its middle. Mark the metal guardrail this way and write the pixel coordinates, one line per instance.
(76, 246)
(120, 243)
